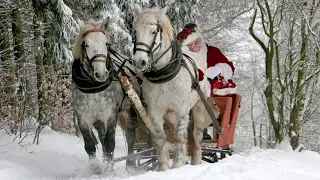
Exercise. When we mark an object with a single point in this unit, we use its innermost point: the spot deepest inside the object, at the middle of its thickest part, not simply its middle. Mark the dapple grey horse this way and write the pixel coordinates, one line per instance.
(98, 97)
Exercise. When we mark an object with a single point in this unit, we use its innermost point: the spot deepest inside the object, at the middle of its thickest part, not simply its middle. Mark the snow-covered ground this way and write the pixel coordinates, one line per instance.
(61, 156)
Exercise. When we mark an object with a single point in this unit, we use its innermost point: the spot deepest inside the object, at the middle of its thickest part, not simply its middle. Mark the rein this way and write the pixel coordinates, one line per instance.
(196, 86)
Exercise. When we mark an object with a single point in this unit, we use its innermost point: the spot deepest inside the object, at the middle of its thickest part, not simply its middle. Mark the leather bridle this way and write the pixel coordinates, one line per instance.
(94, 58)
(151, 49)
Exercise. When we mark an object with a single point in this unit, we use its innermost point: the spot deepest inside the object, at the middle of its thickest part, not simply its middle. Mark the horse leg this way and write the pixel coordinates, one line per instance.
(180, 137)
(159, 139)
(100, 127)
(109, 141)
(89, 144)
(131, 121)
(198, 115)
(191, 137)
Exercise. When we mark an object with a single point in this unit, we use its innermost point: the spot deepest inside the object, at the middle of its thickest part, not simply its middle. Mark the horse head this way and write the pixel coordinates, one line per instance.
(92, 49)
(154, 34)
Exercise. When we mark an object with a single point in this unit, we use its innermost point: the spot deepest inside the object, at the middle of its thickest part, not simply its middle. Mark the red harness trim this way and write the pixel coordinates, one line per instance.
(92, 30)
(125, 74)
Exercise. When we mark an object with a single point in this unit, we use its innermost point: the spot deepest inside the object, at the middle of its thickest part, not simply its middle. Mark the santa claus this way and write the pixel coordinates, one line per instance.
(220, 69)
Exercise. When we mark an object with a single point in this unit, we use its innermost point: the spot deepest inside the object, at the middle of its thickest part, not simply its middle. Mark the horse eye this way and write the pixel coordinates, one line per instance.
(84, 45)
(154, 32)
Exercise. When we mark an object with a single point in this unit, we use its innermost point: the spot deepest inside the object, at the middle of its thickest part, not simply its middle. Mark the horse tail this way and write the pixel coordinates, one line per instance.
(140, 132)
(122, 122)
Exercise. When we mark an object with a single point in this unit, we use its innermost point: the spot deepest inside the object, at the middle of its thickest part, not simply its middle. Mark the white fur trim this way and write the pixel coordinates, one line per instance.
(193, 36)
(225, 91)
(213, 71)
(227, 72)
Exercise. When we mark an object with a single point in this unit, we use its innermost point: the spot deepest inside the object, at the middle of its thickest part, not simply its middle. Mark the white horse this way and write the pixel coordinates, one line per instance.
(167, 86)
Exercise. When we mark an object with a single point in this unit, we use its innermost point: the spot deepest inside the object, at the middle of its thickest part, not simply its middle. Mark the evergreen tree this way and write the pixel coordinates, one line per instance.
(180, 12)
(6, 59)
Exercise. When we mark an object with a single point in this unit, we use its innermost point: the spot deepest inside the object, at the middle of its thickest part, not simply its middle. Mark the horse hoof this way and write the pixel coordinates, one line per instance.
(108, 167)
(131, 169)
(95, 166)
(131, 166)
(196, 161)
(162, 167)
(177, 164)
(130, 163)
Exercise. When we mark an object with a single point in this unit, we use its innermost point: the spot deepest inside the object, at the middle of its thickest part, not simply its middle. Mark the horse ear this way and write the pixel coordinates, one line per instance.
(80, 23)
(105, 24)
(137, 9)
(162, 12)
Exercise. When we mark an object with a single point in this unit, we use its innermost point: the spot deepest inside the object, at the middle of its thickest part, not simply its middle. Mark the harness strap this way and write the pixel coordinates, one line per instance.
(156, 60)
(196, 86)
(93, 30)
(171, 70)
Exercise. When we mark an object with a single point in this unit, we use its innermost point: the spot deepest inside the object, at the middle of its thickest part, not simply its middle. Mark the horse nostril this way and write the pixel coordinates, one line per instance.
(143, 63)
(97, 75)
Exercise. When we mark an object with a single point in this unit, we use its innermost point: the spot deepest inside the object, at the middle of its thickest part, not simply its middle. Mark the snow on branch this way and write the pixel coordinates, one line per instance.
(255, 34)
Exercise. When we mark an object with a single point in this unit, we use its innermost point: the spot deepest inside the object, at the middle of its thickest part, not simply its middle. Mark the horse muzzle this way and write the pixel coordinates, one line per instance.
(140, 64)
(101, 77)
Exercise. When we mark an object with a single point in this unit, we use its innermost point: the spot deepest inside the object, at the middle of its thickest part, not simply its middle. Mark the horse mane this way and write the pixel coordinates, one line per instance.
(144, 18)
(88, 25)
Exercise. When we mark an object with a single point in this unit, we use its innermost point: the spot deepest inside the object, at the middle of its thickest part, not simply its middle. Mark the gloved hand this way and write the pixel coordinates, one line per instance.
(213, 71)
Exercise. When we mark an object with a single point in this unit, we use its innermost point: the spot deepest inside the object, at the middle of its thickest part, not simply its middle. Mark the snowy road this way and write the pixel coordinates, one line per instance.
(61, 156)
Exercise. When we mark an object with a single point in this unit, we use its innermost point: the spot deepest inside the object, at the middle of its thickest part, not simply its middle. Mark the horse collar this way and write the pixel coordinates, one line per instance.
(170, 71)
(85, 83)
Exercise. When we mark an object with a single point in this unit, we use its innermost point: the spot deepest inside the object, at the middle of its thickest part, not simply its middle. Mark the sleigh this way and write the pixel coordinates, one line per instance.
(218, 147)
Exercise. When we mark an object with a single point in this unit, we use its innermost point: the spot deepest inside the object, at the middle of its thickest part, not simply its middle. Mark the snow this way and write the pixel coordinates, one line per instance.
(62, 156)
(285, 146)
(293, 133)
(65, 8)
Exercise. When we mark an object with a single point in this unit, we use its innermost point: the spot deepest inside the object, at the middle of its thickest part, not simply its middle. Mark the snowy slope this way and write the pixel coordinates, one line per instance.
(61, 156)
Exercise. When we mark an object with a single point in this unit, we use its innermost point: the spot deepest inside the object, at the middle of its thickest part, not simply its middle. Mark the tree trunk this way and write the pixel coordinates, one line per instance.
(253, 122)
(18, 48)
(6, 58)
(39, 62)
(296, 115)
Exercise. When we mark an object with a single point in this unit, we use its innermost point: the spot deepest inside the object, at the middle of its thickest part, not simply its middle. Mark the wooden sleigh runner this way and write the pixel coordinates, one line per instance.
(212, 150)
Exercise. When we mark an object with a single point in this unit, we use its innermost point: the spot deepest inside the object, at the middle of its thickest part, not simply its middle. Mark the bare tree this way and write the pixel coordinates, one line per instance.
(290, 67)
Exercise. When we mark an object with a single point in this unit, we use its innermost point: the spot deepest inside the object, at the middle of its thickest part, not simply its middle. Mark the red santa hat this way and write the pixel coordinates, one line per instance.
(189, 33)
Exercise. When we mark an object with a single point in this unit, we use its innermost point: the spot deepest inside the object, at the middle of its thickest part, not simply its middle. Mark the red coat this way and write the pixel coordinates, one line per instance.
(215, 56)
(218, 85)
